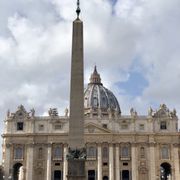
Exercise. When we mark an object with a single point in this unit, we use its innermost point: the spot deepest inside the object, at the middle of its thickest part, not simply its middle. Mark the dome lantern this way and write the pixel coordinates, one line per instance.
(95, 77)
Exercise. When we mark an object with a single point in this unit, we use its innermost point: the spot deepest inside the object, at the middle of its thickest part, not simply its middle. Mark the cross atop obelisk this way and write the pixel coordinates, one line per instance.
(78, 10)
(77, 154)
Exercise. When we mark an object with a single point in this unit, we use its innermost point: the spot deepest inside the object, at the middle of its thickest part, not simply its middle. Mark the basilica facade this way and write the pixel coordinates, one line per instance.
(119, 147)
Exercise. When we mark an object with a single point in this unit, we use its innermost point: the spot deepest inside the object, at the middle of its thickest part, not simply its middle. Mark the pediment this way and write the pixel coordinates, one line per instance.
(163, 111)
(20, 113)
(92, 128)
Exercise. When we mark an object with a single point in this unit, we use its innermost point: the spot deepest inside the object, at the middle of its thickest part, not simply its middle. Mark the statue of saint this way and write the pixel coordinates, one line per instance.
(32, 112)
(8, 113)
(66, 112)
(150, 111)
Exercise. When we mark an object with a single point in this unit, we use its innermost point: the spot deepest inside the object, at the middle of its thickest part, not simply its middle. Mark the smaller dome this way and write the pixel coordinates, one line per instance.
(98, 100)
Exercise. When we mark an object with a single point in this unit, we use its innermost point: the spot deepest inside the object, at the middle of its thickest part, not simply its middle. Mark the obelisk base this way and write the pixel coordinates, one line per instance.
(76, 169)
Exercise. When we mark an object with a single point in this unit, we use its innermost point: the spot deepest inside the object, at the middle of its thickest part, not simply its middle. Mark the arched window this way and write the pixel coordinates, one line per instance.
(125, 151)
(142, 152)
(57, 152)
(105, 153)
(18, 153)
(91, 152)
(165, 152)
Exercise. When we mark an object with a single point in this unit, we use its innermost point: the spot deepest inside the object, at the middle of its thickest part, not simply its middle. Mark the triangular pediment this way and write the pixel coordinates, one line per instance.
(163, 111)
(95, 128)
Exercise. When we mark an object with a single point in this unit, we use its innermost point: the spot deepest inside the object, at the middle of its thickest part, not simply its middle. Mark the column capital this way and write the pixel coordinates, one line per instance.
(49, 144)
(30, 145)
(134, 144)
(8, 145)
(152, 144)
(111, 144)
(117, 145)
(176, 145)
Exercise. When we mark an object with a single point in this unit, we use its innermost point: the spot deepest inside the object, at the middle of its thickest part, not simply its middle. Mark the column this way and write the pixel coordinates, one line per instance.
(152, 161)
(176, 162)
(49, 162)
(6, 161)
(99, 157)
(29, 162)
(134, 162)
(111, 162)
(65, 163)
(117, 162)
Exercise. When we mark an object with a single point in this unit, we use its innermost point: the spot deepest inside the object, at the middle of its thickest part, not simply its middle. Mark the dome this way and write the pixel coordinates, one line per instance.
(98, 100)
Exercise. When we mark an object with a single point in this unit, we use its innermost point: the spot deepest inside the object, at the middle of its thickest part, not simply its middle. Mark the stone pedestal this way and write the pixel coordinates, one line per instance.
(76, 169)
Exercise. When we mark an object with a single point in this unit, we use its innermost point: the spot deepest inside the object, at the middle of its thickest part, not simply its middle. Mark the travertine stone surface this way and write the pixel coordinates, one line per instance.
(49, 156)
(117, 162)
(99, 162)
(76, 121)
(111, 162)
(30, 162)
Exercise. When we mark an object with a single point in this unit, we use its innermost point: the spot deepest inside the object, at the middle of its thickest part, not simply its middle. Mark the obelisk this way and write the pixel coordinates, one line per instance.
(77, 154)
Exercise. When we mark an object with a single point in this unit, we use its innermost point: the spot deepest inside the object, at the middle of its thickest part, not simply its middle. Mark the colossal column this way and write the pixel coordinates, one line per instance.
(134, 162)
(117, 162)
(176, 162)
(29, 166)
(65, 165)
(152, 161)
(49, 151)
(6, 161)
(99, 157)
(111, 162)
(76, 154)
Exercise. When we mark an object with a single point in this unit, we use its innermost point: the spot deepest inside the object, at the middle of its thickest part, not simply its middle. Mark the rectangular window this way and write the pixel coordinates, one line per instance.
(58, 127)
(18, 153)
(91, 152)
(91, 175)
(125, 151)
(57, 154)
(124, 126)
(141, 127)
(165, 152)
(41, 127)
(20, 126)
(163, 125)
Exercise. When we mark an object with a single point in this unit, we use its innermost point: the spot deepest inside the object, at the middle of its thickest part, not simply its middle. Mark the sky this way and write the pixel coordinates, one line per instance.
(134, 44)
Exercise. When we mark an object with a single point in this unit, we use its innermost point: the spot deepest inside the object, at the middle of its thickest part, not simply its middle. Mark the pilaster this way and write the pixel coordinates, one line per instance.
(152, 161)
(117, 162)
(7, 160)
(176, 162)
(134, 161)
(29, 162)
